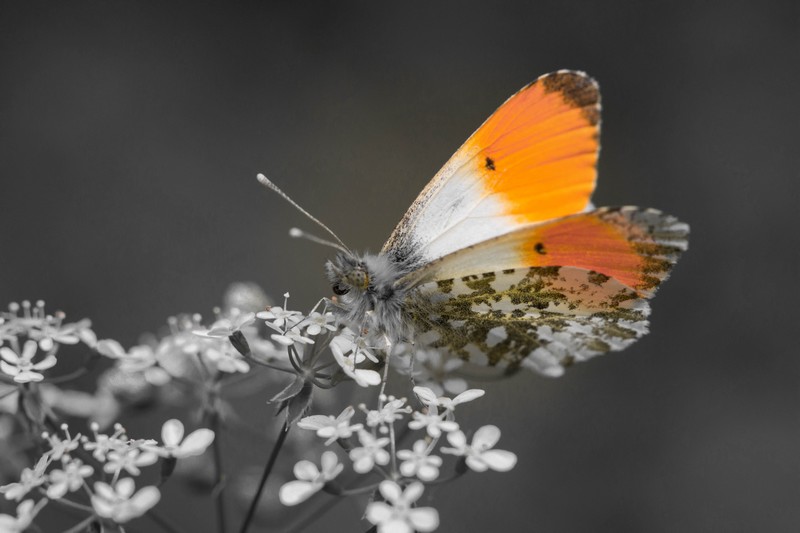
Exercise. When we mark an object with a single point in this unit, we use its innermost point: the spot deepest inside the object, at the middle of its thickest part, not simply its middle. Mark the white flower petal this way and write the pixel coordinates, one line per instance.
(413, 492)
(390, 490)
(305, 470)
(476, 464)
(103, 507)
(499, 460)
(29, 349)
(125, 487)
(196, 442)
(104, 490)
(280, 339)
(457, 439)
(144, 500)
(378, 512)
(110, 348)
(468, 396)
(295, 492)
(426, 395)
(424, 519)
(395, 525)
(330, 465)
(48, 362)
(486, 437)
(9, 355)
(367, 377)
(8, 369)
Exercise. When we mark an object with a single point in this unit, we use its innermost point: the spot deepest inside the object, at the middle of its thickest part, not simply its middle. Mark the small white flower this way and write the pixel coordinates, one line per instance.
(290, 337)
(428, 397)
(26, 512)
(55, 332)
(279, 317)
(104, 444)
(433, 422)
(417, 462)
(370, 453)
(69, 479)
(397, 514)
(393, 410)
(479, 455)
(28, 479)
(175, 445)
(362, 376)
(21, 366)
(224, 357)
(347, 342)
(61, 447)
(225, 327)
(119, 503)
(310, 479)
(128, 460)
(142, 358)
(319, 322)
(330, 428)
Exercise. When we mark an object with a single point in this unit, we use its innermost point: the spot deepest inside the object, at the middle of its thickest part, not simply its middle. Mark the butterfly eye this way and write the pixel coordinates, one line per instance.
(340, 290)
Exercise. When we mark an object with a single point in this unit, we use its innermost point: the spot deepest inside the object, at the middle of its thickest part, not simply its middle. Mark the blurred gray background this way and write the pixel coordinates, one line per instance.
(131, 134)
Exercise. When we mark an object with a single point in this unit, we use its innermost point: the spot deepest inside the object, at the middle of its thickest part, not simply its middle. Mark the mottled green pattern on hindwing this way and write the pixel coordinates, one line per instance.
(542, 317)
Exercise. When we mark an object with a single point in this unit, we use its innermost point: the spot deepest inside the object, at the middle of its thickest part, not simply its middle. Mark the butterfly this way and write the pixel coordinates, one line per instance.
(502, 260)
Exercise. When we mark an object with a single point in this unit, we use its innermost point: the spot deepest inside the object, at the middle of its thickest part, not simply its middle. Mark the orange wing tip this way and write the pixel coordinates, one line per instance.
(659, 240)
(577, 90)
(538, 152)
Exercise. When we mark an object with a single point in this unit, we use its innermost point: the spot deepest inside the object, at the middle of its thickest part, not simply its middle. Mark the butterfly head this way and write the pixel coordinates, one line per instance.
(369, 293)
(347, 273)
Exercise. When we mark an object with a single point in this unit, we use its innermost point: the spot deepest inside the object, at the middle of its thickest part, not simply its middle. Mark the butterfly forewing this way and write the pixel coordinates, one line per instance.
(534, 159)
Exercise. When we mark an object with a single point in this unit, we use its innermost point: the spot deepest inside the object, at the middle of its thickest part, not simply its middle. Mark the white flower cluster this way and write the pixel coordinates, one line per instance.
(100, 469)
(194, 366)
(43, 334)
(306, 336)
(372, 447)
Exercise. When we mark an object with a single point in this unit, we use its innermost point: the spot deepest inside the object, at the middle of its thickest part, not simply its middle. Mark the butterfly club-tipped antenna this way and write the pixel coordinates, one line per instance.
(298, 233)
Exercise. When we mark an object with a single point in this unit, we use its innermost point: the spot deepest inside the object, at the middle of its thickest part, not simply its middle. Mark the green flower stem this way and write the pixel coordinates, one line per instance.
(267, 469)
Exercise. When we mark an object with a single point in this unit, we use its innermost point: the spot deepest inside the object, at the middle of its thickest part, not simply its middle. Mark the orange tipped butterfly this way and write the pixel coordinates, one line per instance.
(502, 260)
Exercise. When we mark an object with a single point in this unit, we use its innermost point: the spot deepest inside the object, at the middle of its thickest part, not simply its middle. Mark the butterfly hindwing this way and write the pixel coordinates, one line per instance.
(534, 159)
(544, 318)
(547, 295)
(635, 246)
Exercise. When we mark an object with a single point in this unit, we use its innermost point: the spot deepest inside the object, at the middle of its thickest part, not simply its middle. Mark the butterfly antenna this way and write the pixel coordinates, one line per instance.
(297, 233)
(263, 180)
